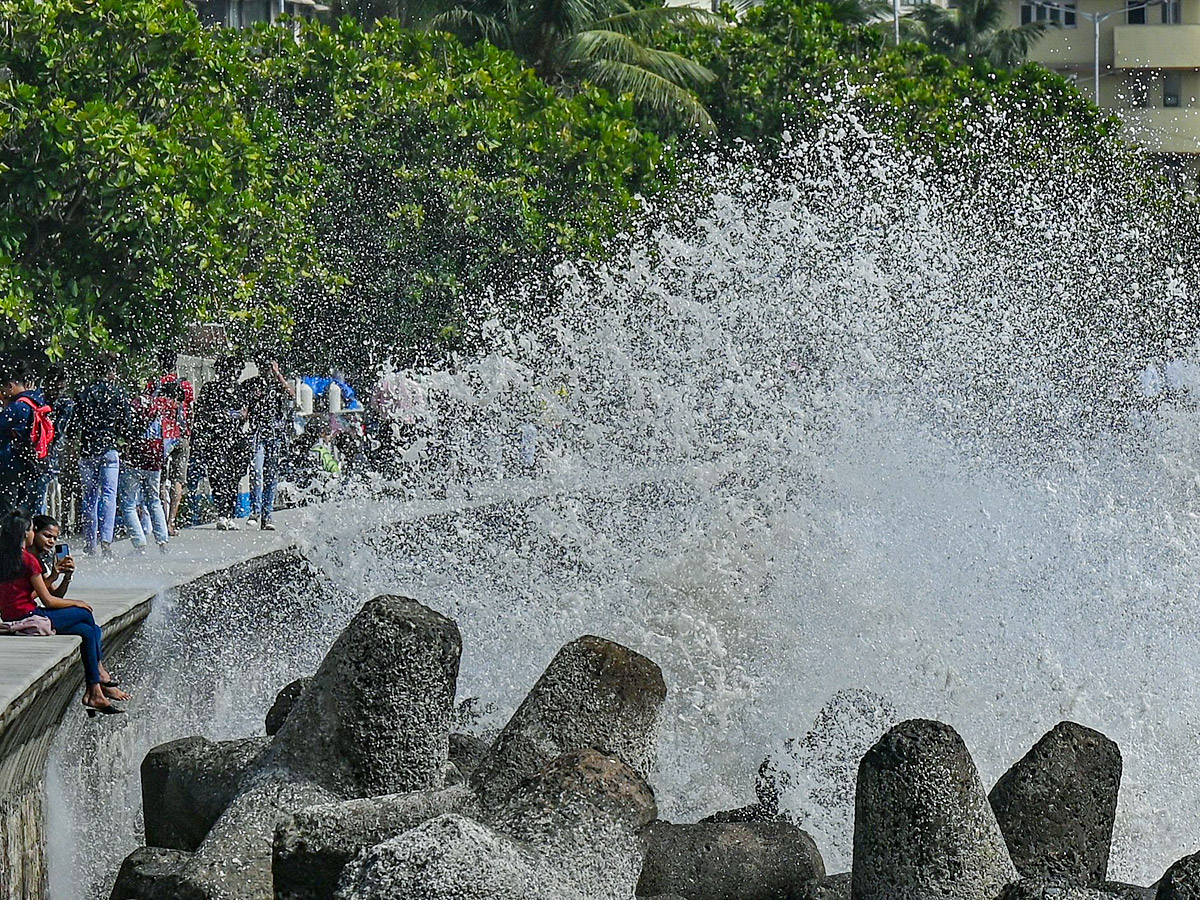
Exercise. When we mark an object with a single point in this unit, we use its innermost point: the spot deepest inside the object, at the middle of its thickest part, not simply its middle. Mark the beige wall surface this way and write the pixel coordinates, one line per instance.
(1156, 46)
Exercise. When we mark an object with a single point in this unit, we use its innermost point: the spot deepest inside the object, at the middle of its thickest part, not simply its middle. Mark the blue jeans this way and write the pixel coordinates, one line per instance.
(141, 486)
(79, 622)
(272, 449)
(99, 475)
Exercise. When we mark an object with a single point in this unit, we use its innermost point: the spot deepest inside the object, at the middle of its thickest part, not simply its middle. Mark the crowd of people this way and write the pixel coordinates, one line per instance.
(141, 454)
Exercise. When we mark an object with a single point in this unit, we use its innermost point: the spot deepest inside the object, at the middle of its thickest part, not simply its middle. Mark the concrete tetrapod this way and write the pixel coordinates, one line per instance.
(733, 861)
(1182, 880)
(374, 720)
(923, 828)
(313, 845)
(1057, 806)
(188, 783)
(569, 833)
(594, 694)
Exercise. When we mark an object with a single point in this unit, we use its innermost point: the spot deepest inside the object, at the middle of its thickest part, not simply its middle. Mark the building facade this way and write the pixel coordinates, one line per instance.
(244, 13)
(1148, 60)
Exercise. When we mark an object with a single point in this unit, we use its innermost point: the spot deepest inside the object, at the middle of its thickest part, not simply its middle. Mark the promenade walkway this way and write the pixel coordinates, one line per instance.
(120, 589)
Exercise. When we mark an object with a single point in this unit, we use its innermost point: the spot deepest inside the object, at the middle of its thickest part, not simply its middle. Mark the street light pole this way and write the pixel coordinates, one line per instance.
(1096, 19)
(896, 20)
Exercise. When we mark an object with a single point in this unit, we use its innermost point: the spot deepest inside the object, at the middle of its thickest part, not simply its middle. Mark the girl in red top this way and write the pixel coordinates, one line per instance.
(21, 581)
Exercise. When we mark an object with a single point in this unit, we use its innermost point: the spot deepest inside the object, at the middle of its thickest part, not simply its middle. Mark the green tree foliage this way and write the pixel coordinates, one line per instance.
(974, 31)
(602, 42)
(444, 173)
(791, 63)
(136, 196)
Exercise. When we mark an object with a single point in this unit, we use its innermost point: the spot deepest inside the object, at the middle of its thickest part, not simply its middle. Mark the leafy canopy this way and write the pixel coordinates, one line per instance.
(136, 195)
(446, 174)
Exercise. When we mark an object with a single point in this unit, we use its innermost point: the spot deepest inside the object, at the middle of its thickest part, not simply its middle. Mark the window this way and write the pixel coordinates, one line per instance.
(255, 11)
(1172, 88)
(1171, 12)
(1135, 12)
(1062, 12)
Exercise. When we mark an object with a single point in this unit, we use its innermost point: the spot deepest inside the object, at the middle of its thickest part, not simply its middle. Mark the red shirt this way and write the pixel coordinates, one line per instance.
(16, 596)
(176, 415)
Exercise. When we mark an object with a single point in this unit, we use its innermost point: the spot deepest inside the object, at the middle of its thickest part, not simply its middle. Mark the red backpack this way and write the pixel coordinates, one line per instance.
(41, 429)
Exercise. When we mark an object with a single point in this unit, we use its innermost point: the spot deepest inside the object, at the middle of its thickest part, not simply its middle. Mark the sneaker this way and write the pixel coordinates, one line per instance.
(164, 548)
(224, 524)
(267, 525)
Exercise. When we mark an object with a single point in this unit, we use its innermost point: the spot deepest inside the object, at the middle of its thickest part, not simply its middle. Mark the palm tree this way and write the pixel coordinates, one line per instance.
(973, 30)
(604, 42)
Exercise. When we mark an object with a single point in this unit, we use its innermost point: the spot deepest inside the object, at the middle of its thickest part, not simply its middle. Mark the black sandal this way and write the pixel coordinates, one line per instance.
(108, 709)
(111, 684)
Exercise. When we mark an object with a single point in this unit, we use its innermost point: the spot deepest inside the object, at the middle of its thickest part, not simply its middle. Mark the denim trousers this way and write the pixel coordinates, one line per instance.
(99, 475)
(79, 622)
(141, 487)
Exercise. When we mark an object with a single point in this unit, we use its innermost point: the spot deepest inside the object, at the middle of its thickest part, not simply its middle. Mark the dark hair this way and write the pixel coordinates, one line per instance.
(171, 389)
(167, 359)
(41, 523)
(15, 371)
(14, 525)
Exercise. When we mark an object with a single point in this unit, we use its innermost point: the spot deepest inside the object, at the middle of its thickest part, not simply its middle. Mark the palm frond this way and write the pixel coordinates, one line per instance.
(1010, 46)
(599, 45)
(650, 91)
(644, 23)
(469, 25)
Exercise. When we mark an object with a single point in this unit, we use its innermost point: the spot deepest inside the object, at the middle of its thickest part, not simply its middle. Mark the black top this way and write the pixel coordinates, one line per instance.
(103, 415)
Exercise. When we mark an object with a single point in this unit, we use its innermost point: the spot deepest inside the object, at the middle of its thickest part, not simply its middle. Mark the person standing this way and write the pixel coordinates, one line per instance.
(271, 401)
(141, 471)
(103, 416)
(177, 428)
(221, 438)
(62, 412)
(24, 414)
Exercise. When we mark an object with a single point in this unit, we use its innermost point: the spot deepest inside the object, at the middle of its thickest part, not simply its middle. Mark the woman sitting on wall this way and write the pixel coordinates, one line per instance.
(21, 583)
(56, 571)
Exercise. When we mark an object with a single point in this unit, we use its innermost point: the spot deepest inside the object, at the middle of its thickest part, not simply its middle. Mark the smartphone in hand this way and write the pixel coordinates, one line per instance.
(62, 551)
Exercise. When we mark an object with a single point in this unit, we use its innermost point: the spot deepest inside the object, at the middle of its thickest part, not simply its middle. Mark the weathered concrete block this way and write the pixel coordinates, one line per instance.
(755, 812)
(832, 887)
(923, 828)
(1052, 890)
(747, 861)
(187, 784)
(234, 862)
(376, 717)
(1119, 890)
(575, 791)
(454, 858)
(149, 874)
(284, 701)
(466, 752)
(594, 694)
(313, 845)
(1182, 880)
(587, 811)
(1056, 807)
